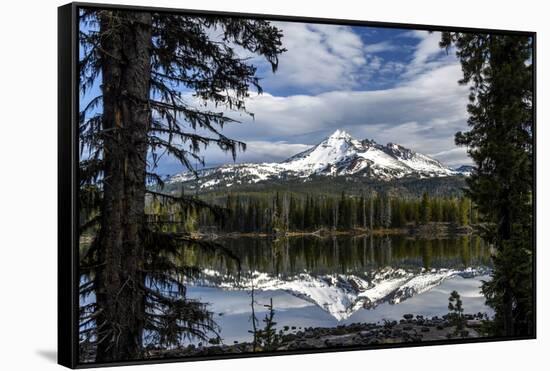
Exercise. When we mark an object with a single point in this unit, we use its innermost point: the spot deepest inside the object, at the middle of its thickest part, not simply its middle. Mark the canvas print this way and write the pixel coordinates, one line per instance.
(258, 186)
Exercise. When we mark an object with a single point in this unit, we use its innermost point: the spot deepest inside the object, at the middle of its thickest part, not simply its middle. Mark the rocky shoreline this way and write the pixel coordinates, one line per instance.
(410, 329)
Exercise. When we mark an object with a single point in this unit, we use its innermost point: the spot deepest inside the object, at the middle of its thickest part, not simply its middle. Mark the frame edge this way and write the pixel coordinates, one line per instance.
(67, 180)
(66, 254)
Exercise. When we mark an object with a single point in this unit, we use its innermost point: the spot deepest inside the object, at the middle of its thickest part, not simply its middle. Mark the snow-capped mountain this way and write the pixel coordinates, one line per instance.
(341, 295)
(337, 155)
(465, 169)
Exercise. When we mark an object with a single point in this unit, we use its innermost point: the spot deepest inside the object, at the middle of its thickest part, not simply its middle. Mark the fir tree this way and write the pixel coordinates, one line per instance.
(268, 337)
(499, 71)
(456, 312)
(464, 211)
(425, 209)
(145, 62)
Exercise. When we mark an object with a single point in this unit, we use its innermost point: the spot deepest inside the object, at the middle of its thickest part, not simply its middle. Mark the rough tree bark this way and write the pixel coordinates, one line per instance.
(126, 120)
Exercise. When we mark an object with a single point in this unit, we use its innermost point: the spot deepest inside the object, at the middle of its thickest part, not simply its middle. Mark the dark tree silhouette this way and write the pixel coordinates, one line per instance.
(499, 71)
(456, 312)
(153, 69)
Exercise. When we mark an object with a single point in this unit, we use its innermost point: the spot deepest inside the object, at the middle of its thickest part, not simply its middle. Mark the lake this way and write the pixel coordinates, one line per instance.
(326, 282)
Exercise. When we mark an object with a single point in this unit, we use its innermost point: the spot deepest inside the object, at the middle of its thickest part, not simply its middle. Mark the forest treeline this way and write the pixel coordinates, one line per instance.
(287, 212)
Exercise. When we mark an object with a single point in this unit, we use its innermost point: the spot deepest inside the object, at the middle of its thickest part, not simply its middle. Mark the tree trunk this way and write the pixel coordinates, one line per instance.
(126, 49)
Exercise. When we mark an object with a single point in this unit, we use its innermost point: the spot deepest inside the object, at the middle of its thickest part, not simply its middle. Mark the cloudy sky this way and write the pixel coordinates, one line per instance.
(390, 85)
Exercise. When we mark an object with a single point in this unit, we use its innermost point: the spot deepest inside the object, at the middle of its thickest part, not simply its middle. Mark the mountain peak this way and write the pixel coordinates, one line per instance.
(337, 155)
(340, 134)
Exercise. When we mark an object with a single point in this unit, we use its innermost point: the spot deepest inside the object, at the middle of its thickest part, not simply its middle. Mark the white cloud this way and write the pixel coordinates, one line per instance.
(392, 67)
(383, 46)
(375, 63)
(318, 57)
(427, 54)
(258, 151)
(273, 151)
(322, 58)
(453, 157)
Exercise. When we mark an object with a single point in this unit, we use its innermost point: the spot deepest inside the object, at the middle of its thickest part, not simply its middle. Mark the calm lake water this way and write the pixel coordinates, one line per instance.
(338, 280)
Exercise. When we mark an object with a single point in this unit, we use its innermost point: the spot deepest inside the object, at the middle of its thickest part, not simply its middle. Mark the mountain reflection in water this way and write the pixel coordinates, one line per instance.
(326, 282)
(341, 275)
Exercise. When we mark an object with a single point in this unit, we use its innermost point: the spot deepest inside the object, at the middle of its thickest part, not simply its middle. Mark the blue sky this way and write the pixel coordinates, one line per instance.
(389, 85)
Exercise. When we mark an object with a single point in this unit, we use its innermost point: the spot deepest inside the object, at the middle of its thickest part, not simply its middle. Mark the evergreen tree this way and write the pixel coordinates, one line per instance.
(371, 213)
(425, 209)
(145, 61)
(456, 312)
(464, 211)
(437, 210)
(268, 337)
(191, 220)
(309, 213)
(401, 216)
(381, 207)
(388, 212)
(452, 211)
(363, 210)
(499, 71)
(342, 211)
(296, 222)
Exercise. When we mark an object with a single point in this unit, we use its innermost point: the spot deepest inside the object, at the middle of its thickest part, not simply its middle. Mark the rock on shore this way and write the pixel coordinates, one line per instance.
(409, 329)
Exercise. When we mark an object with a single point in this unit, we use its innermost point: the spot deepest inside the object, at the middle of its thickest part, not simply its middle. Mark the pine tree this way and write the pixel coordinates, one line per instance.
(295, 222)
(452, 210)
(342, 211)
(399, 216)
(308, 213)
(456, 312)
(371, 213)
(381, 207)
(144, 63)
(388, 212)
(190, 221)
(499, 71)
(268, 336)
(437, 210)
(425, 209)
(363, 210)
(464, 211)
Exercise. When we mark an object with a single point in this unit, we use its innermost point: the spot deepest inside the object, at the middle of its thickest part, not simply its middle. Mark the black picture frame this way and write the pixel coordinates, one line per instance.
(68, 157)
